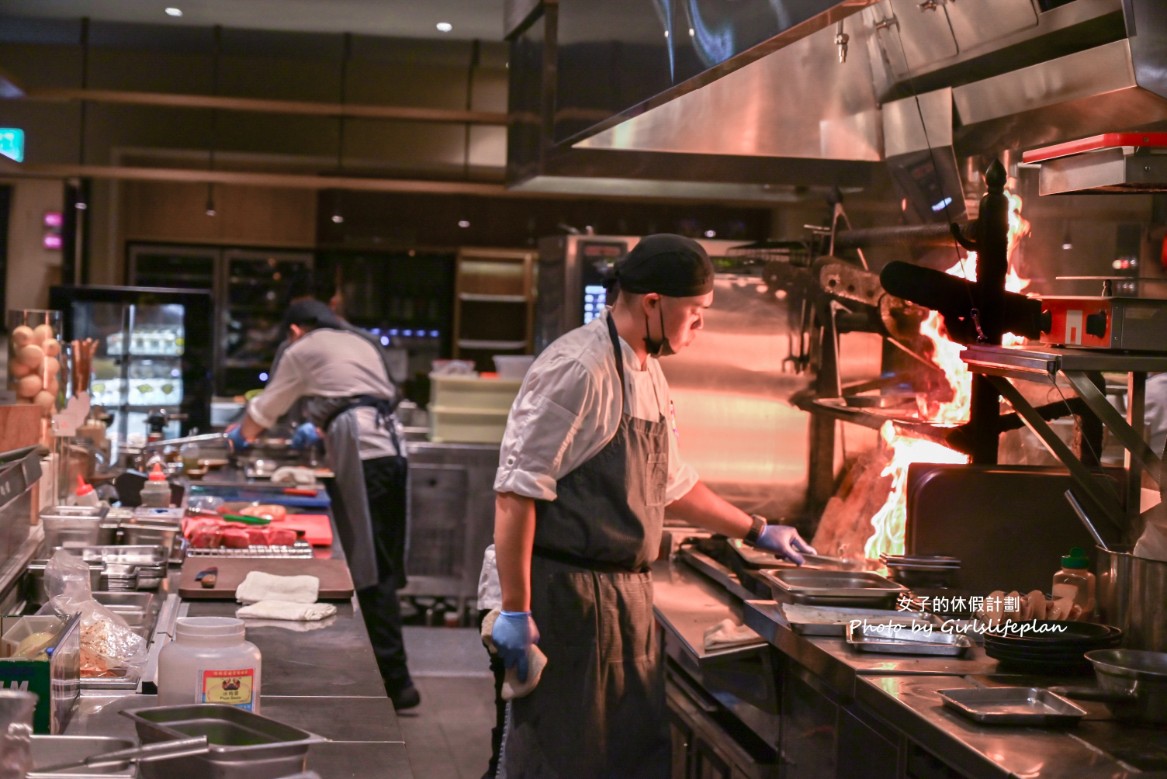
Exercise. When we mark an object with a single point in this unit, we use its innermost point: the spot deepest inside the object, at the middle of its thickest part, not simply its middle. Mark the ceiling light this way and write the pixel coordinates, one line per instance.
(444, 27)
(172, 11)
(463, 223)
(337, 218)
(710, 233)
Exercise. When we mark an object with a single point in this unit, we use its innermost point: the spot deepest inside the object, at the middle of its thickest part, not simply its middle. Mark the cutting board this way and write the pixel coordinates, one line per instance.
(317, 528)
(335, 581)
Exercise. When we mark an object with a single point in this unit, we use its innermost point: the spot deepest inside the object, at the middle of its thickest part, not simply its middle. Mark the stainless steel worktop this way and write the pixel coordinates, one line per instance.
(319, 677)
(901, 691)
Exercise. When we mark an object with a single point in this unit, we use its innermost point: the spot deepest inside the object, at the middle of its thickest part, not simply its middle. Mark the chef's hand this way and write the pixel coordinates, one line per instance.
(235, 436)
(305, 436)
(513, 633)
(783, 540)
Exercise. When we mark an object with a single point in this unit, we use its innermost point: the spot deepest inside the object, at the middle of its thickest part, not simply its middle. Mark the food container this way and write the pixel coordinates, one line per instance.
(904, 640)
(832, 588)
(71, 527)
(1132, 682)
(1030, 706)
(243, 745)
(55, 679)
(1131, 592)
(34, 580)
(130, 567)
(152, 533)
(512, 366)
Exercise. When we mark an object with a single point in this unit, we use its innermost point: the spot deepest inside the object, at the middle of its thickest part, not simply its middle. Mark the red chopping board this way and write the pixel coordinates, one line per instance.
(317, 528)
(335, 581)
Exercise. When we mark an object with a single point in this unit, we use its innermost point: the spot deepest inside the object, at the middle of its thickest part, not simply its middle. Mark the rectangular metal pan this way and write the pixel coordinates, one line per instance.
(905, 641)
(838, 588)
(1012, 706)
(832, 621)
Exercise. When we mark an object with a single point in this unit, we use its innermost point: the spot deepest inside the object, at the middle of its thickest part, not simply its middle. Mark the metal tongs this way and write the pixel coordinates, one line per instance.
(162, 750)
(837, 562)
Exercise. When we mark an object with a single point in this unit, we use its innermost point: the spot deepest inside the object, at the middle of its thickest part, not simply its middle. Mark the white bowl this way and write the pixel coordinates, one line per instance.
(512, 366)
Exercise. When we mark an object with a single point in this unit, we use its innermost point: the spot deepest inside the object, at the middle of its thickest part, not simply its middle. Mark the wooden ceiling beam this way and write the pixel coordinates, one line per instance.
(257, 105)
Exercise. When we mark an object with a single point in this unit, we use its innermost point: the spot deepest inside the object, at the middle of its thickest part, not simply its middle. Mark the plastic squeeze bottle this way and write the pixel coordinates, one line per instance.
(1073, 586)
(156, 490)
(85, 495)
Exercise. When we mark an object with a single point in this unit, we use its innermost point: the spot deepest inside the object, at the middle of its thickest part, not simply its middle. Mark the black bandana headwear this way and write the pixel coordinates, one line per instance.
(669, 265)
(311, 313)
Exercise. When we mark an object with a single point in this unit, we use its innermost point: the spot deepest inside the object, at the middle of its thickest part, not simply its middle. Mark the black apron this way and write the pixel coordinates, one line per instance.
(599, 709)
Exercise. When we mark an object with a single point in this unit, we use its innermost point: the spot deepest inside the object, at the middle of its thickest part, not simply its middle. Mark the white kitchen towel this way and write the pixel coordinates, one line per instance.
(287, 610)
(511, 686)
(257, 586)
(727, 633)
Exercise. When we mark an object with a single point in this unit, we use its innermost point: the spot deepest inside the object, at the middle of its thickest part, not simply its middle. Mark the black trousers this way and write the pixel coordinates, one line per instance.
(498, 671)
(385, 489)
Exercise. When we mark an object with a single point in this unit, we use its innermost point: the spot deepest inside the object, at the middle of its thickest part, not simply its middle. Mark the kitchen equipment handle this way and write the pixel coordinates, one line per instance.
(1077, 507)
(162, 750)
(1084, 693)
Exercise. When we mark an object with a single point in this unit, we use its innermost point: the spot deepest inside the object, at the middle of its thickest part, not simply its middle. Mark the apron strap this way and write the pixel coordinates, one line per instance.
(616, 350)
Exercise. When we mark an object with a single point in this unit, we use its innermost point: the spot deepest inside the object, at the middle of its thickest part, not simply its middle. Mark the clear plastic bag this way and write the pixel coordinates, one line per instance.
(68, 575)
(108, 646)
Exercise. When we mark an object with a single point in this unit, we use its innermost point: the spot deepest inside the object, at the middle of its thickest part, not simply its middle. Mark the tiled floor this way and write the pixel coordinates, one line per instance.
(448, 735)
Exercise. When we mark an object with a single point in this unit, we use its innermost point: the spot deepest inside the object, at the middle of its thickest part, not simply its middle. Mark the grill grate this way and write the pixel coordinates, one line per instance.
(299, 549)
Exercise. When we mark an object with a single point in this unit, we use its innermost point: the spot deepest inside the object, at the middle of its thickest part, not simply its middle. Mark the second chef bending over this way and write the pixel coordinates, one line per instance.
(588, 463)
(348, 395)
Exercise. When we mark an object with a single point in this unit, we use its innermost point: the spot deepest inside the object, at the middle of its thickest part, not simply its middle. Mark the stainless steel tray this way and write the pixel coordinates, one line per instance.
(903, 640)
(129, 555)
(1012, 706)
(839, 588)
(833, 620)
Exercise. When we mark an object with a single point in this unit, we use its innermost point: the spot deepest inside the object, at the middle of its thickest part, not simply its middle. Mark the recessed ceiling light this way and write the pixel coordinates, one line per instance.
(444, 26)
(463, 223)
(173, 11)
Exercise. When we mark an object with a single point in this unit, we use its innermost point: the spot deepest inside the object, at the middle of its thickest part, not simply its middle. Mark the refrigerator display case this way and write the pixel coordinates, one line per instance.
(251, 289)
(155, 349)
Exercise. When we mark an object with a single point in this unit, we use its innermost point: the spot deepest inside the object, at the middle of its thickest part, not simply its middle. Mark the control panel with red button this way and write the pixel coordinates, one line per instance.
(1120, 324)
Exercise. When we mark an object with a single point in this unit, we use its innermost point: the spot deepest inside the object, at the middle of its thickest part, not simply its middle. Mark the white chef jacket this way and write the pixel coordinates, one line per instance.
(329, 363)
(568, 409)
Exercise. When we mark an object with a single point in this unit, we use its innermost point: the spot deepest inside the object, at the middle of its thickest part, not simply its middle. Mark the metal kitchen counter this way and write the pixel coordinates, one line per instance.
(898, 694)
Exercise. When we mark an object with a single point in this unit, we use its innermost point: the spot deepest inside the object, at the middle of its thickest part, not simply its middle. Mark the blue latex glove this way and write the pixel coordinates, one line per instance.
(305, 436)
(513, 634)
(783, 540)
(235, 436)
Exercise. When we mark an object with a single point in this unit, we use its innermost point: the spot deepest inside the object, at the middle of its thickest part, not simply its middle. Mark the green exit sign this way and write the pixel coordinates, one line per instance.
(12, 143)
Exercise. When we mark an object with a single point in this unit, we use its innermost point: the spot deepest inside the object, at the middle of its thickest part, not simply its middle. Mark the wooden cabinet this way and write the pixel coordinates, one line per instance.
(494, 304)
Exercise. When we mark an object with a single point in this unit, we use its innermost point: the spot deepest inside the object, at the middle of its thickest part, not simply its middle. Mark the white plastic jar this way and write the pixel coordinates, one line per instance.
(210, 661)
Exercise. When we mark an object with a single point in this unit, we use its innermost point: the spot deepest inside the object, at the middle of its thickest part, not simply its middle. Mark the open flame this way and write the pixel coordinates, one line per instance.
(890, 520)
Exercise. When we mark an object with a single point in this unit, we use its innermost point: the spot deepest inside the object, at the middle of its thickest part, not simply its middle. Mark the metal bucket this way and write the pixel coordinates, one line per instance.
(1131, 592)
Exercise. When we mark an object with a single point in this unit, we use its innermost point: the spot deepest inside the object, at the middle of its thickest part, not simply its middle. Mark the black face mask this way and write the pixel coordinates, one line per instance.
(661, 348)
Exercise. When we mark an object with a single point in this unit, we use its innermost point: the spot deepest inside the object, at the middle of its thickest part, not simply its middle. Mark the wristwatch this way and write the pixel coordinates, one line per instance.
(755, 531)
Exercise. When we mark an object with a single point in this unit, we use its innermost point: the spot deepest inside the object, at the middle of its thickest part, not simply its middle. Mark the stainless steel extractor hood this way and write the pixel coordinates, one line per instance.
(887, 81)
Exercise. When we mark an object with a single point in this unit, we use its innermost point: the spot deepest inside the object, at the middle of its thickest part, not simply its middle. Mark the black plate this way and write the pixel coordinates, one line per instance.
(1072, 633)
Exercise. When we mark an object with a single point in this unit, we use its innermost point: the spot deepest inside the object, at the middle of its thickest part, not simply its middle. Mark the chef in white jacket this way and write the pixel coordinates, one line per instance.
(349, 398)
(588, 464)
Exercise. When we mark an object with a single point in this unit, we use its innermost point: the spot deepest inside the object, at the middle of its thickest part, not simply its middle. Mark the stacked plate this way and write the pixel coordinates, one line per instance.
(936, 571)
(1049, 646)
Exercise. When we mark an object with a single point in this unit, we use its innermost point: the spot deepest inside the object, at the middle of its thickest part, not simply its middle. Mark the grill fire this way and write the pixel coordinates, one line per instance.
(869, 512)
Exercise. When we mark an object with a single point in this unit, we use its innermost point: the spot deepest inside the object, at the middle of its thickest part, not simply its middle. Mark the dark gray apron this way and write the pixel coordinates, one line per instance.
(599, 709)
(350, 509)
